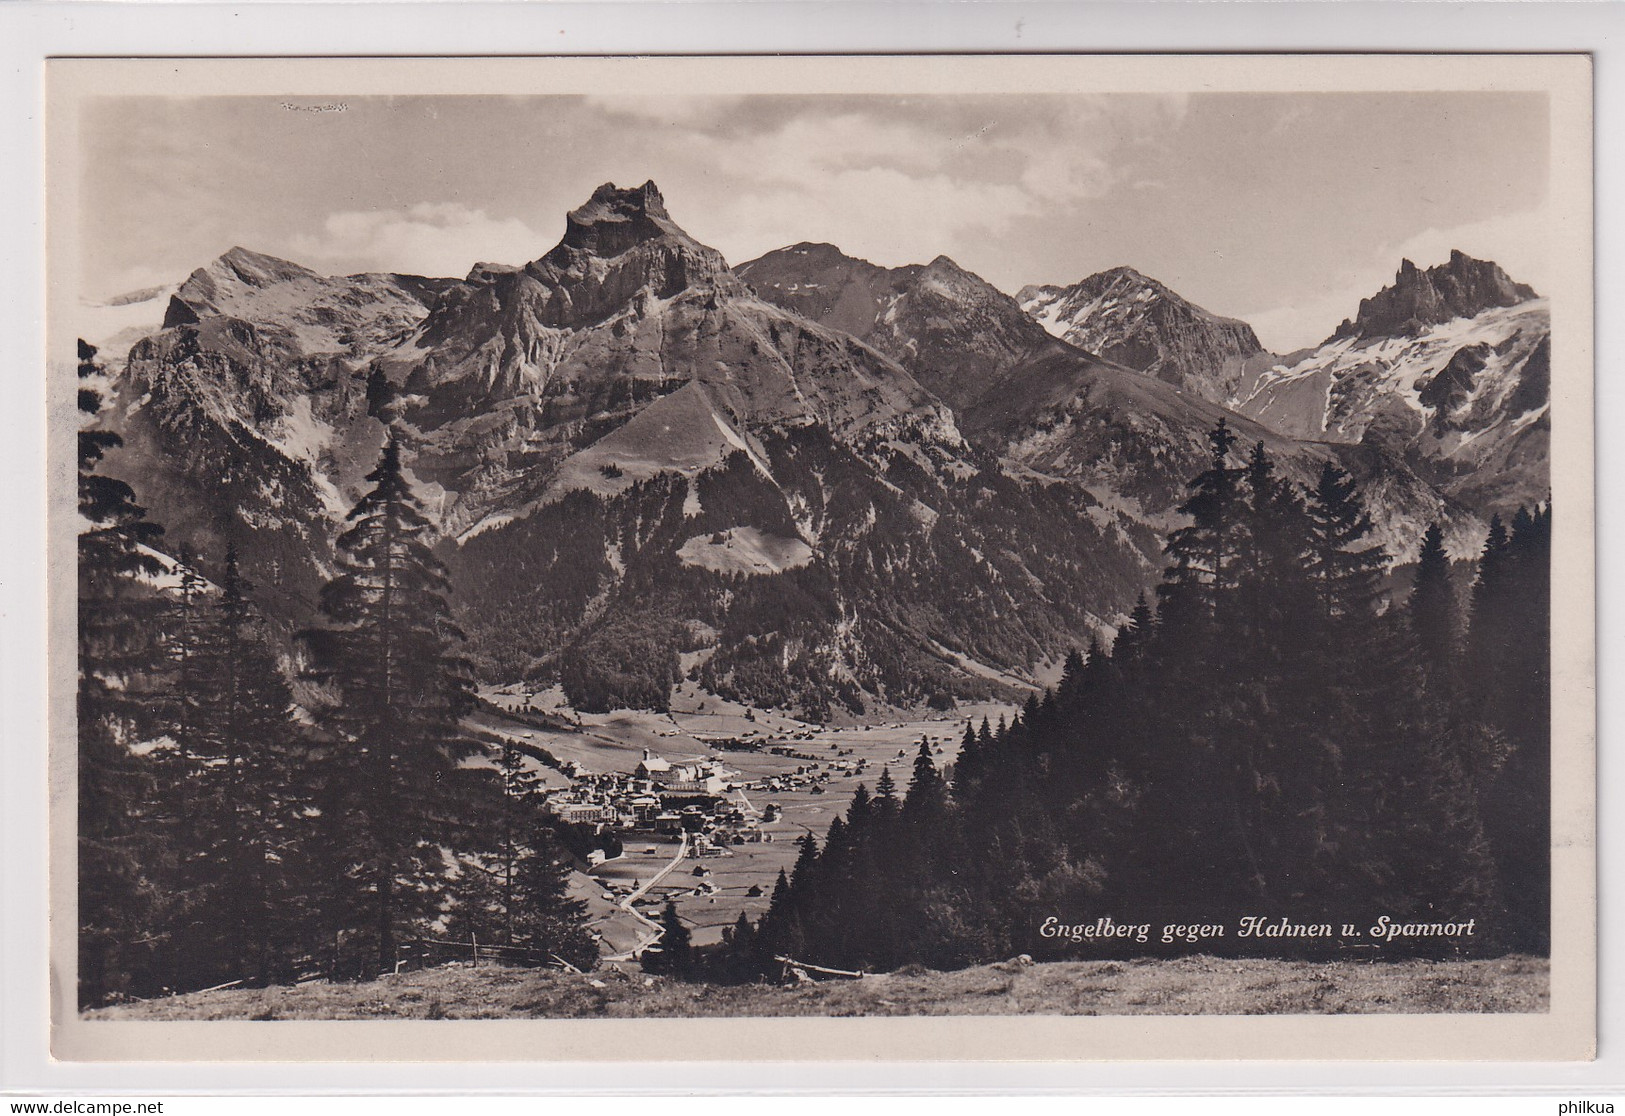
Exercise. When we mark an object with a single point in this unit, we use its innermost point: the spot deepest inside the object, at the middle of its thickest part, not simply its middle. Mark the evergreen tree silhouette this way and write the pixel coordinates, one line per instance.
(121, 846)
(1509, 654)
(543, 915)
(968, 765)
(389, 649)
(1434, 615)
(247, 813)
(673, 955)
(927, 797)
(1344, 567)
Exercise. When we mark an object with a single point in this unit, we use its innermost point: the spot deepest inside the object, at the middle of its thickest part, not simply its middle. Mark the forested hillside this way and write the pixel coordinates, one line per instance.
(1267, 740)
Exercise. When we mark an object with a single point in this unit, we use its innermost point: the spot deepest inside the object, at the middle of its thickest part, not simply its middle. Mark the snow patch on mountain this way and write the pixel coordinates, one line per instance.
(1332, 392)
(679, 433)
(118, 323)
(1137, 322)
(1464, 401)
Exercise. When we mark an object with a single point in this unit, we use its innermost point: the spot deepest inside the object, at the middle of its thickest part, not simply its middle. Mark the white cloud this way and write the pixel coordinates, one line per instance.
(689, 108)
(1062, 172)
(430, 238)
(891, 190)
(808, 147)
(130, 280)
(1516, 241)
(910, 219)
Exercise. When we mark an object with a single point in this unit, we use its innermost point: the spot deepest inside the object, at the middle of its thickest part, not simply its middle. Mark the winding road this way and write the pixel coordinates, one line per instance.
(628, 905)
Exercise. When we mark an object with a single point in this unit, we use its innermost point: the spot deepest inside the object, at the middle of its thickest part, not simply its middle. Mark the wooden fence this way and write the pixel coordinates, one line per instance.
(424, 953)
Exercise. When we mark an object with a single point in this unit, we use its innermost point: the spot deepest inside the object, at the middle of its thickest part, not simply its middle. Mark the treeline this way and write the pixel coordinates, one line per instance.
(229, 834)
(589, 590)
(1273, 738)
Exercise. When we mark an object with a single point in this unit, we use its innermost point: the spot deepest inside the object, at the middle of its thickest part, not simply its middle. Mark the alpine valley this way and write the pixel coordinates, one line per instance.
(805, 482)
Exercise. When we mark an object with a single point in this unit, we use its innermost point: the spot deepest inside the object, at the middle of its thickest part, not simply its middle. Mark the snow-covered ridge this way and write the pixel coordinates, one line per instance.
(1331, 392)
(1467, 400)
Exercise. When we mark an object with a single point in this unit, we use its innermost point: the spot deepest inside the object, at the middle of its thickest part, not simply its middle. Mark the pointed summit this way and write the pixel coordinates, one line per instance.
(231, 277)
(1138, 322)
(257, 269)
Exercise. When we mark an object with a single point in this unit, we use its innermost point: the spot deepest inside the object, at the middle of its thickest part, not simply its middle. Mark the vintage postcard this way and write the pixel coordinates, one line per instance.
(842, 558)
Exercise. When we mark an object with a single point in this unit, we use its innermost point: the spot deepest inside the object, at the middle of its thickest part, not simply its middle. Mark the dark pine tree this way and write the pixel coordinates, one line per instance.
(544, 917)
(927, 798)
(506, 811)
(390, 651)
(769, 939)
(1509, 653)
(1201, 555)
(247, 819)
(1345, 567)
(1434, 616)
(1198, 759)
(1136, 631)
(967, 768)
(120, 845)
(884, 804)
(674, 954)
(1490, 638)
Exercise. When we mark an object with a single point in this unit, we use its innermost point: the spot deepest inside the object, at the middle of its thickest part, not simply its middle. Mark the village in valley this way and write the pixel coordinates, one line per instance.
(703, 804)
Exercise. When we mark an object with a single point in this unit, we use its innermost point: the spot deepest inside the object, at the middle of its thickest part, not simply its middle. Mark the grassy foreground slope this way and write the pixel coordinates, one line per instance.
(1183, 986)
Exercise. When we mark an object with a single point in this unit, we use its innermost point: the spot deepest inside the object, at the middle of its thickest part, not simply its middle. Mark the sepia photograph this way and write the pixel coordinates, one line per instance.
(766, 540)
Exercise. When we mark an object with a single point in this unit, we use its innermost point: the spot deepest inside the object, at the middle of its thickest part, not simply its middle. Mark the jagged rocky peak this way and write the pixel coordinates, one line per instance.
(486, 270)
(1461, 288)
(1123, 278)
(947, 272)
(1121, 288)
(618, 245)
(614, 220)
(1046, 293)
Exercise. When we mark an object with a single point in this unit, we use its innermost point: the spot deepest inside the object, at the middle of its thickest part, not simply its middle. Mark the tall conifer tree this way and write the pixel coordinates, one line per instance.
(251, 796)
(1434, 615)
(390, 649)
(120, 849)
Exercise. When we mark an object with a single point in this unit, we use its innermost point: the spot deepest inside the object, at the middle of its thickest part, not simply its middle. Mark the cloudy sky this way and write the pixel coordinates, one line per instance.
(1282, 209)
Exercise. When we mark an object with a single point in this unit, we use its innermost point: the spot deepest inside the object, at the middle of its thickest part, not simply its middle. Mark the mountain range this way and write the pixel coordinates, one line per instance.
(1141, 324)
(806, 481)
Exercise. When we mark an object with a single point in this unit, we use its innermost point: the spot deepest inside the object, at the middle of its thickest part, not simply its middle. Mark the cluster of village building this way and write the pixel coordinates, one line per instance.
(699, 796)
(654, 795)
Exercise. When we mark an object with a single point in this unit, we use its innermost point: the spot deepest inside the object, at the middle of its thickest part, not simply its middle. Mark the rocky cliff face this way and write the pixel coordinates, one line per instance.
(502, 329)
(1449, 369)
(1462, 288)
(1137, 322)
